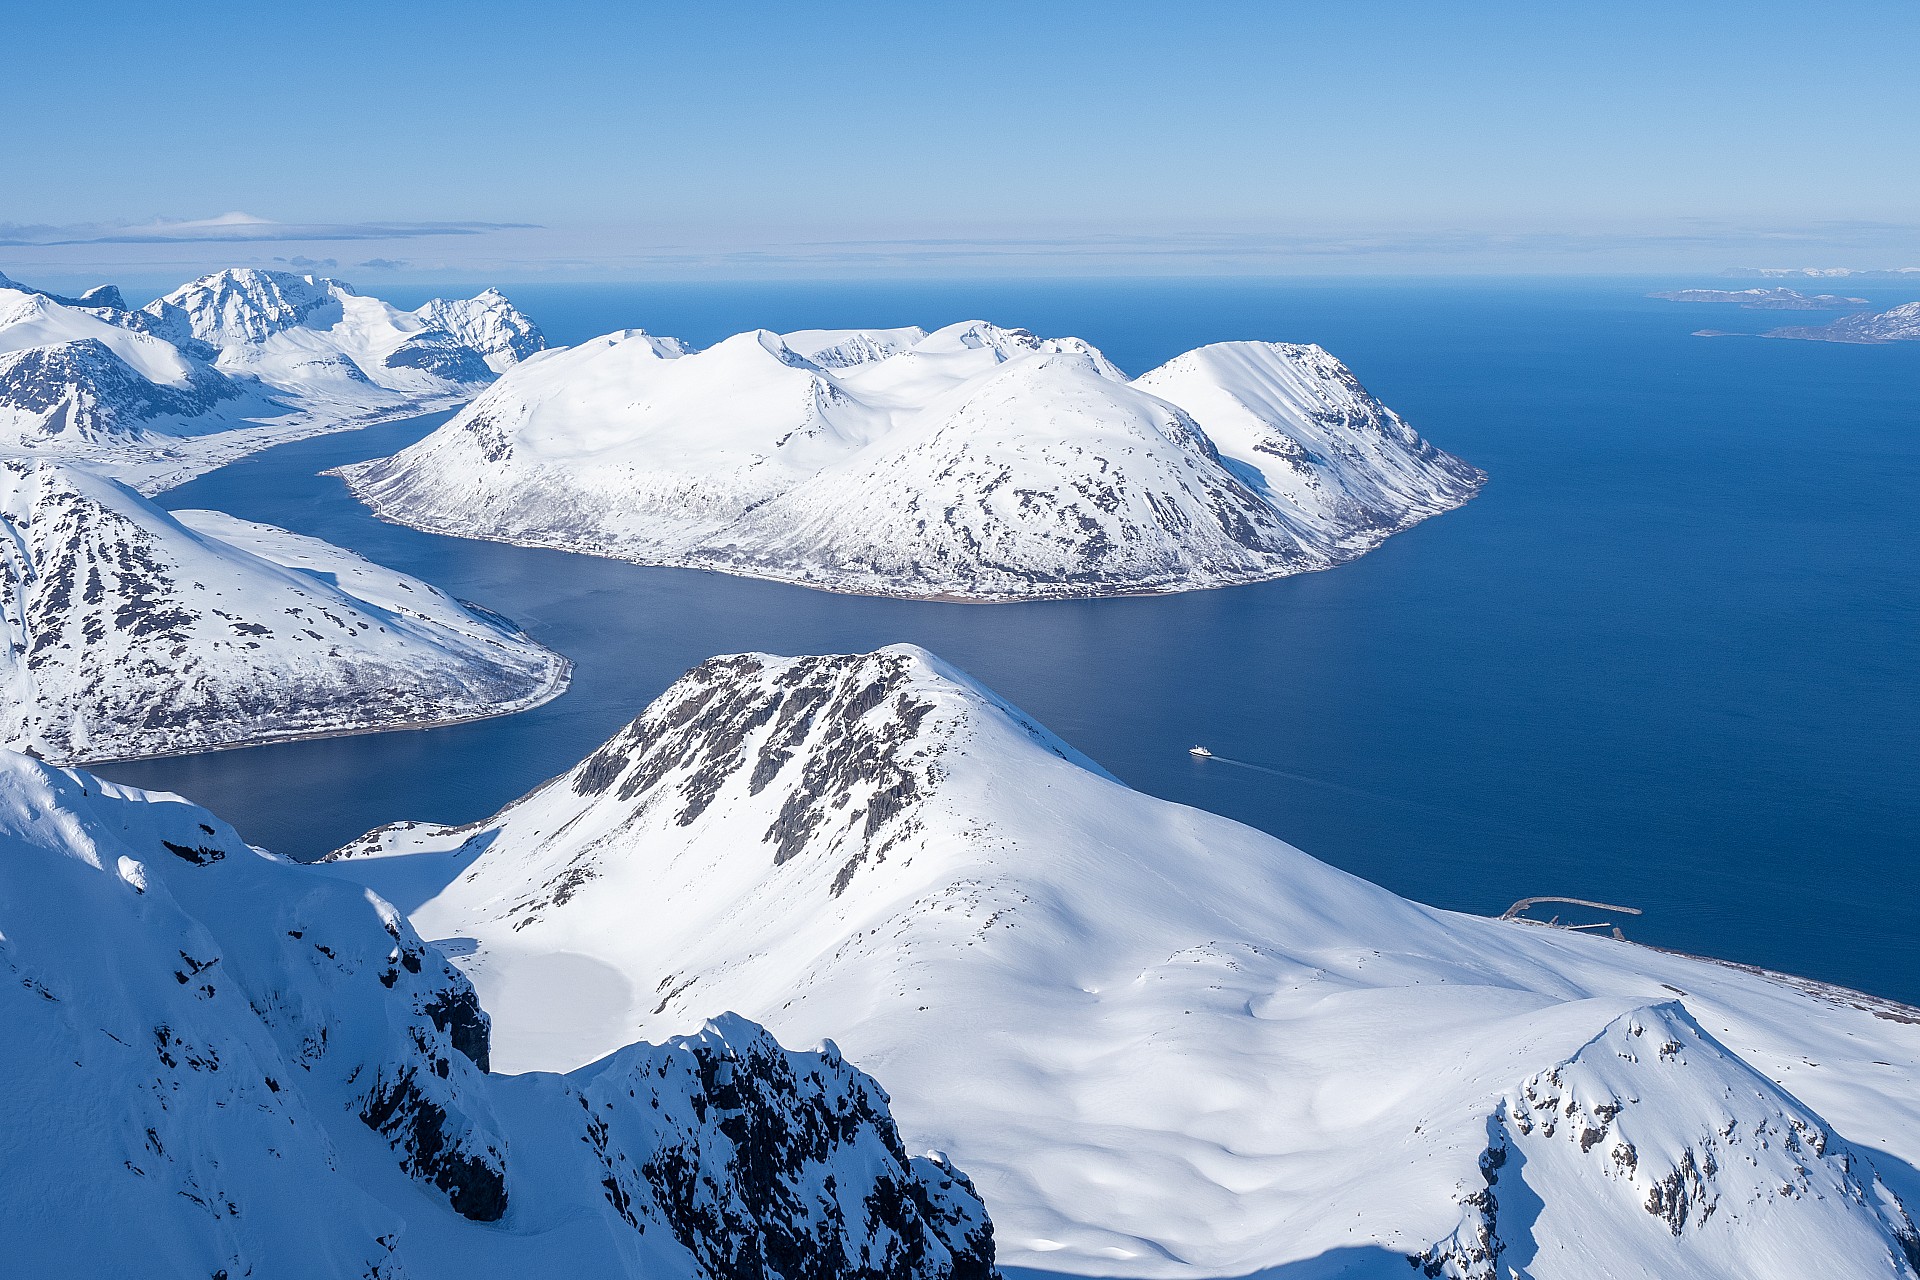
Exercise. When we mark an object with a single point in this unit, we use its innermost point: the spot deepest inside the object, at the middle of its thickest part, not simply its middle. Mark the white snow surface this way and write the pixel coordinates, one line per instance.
(233, 362)
(1164, 1044)
(220, 1063)
(975, 462)
(132, 631)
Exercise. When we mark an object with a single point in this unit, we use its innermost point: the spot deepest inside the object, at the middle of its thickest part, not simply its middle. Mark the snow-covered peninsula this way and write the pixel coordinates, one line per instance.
(1897, 324)
(975, 462)
(222, 1064)
(132, 631)
(1164, 1044)
(231, 363)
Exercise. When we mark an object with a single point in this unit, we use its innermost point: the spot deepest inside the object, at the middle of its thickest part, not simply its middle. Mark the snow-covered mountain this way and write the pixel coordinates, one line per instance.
(131, 631)
(72, 382)
(230, 363)
(1163, 1043)
(101, 295)
(974, 462)
(318, 338)
(1899, 324)
(219, 1063)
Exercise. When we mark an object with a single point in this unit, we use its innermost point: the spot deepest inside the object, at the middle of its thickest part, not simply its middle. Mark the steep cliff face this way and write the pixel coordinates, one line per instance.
(1164, 1044)
(131, 631)
(974, 462)
(250, 1067)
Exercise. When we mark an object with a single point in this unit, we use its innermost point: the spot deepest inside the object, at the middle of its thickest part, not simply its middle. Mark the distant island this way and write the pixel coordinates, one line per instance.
(1900, 324)
(1777, 299)
(971, 463)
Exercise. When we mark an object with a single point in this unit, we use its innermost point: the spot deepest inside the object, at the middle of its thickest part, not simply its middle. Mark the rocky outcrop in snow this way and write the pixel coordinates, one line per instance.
(1163, 1043)
(222, 1063)
(487, 324)
(1654, 1114)
(1899, 324)
(131, 631)
(975, 462)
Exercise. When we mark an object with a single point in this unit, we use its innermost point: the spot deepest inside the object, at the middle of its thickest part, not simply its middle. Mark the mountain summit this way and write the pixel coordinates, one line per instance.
(1163, 1043)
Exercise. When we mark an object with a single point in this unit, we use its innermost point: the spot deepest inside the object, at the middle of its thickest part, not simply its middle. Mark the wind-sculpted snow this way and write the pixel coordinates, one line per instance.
(131, 631)
(1164, 1044)
(222, 1063)
(975, 462)
(1899, 324)
(230, 363)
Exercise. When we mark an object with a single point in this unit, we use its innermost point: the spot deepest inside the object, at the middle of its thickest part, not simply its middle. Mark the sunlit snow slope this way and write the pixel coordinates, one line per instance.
(133, 631)
(975, 462)
(222, 1064)
(1163, 1043)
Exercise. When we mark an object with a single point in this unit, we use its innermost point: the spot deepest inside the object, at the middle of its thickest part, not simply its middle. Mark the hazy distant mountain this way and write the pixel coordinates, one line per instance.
(1765, 299)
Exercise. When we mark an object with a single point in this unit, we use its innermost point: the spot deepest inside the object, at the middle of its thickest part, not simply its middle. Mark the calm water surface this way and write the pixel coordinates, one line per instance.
(1669, 658)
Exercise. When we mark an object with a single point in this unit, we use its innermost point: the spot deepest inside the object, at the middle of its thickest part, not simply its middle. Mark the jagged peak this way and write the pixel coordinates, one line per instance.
(1689, 1141)
(250, 304)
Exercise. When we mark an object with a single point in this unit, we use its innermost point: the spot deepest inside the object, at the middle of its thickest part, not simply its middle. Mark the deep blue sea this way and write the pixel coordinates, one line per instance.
(1669, 658)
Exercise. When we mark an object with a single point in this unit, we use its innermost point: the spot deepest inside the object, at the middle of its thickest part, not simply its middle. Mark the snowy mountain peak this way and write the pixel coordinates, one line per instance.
(244, 305)
(1655, 1125)
(259, 1068)
(489, 324)
(1165, 1044)
(104, 296)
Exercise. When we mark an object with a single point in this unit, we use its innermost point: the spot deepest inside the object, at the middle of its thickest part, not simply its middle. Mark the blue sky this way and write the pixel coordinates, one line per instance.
(628, 140)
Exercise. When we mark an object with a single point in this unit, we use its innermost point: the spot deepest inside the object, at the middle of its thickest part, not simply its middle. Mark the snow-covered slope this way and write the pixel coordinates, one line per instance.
(219, 1063)
(70, 381)
(1163, 1043)
(1900, 324)
(974, 462)
(131, 631)
(230, 363)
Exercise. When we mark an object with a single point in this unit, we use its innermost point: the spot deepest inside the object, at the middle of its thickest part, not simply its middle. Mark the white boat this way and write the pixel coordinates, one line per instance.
(1202, 752)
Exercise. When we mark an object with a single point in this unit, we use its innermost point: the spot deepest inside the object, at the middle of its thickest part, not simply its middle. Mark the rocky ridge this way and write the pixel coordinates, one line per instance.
(266, 1069)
